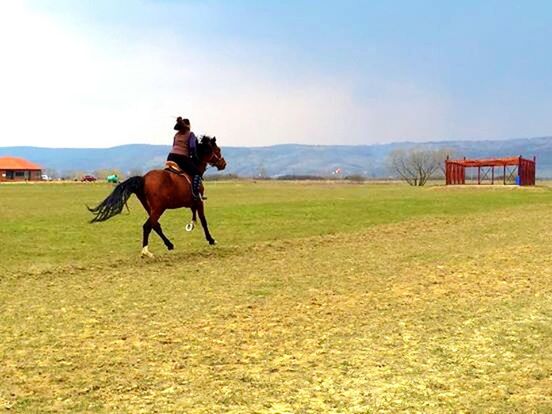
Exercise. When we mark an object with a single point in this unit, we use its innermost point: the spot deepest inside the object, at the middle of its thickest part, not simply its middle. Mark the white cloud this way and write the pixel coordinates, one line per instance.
(70, 86)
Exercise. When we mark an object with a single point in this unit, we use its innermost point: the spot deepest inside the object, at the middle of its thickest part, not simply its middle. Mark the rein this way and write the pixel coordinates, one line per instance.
(217, 159)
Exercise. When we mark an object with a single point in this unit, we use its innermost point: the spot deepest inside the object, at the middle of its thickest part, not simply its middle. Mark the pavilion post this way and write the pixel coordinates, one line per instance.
(492, 176)
(504, 176)
(534, 174)
(479, 175)
(521, 171)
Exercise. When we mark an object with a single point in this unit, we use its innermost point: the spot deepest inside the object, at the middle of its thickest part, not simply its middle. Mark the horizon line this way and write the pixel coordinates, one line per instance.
(295, 144)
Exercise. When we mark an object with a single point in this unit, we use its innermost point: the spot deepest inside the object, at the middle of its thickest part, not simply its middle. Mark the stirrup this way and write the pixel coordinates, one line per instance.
(198, 197)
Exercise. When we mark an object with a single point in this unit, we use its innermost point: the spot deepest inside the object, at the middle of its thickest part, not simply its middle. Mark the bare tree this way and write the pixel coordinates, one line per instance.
(416, 165)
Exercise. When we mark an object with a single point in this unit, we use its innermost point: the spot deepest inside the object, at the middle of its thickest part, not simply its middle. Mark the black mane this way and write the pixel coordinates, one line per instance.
(205, 146)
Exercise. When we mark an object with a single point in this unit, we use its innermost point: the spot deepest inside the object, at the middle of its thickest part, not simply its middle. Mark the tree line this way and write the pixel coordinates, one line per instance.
(413, 165)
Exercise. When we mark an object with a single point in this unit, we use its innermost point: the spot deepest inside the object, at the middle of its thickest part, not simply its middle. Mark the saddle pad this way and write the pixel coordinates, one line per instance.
(173, 167)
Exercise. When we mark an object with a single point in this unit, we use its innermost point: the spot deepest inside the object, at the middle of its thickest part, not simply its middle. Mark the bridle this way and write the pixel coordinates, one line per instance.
(217, 158)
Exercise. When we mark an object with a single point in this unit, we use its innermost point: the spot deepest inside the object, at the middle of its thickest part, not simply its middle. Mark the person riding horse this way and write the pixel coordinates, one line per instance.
(184, 153)
(160, 190)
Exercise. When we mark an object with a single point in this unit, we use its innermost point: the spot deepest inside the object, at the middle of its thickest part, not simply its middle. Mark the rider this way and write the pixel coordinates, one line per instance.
(184, 153)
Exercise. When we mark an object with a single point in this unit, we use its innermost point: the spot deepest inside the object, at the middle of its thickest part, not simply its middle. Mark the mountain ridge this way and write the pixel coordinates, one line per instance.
(280, 159)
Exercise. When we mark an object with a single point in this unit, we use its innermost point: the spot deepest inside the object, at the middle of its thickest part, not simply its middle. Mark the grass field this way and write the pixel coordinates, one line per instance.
(319, 298)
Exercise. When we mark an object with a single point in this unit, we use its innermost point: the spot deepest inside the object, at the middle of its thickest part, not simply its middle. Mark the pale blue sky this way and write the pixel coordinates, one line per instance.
(100, 73)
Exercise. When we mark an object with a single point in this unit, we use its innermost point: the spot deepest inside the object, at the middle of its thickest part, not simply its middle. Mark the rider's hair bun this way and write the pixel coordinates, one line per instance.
(181, 124)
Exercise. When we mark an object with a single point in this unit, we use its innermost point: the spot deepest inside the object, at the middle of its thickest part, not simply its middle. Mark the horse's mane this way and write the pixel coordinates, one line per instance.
(205, 146)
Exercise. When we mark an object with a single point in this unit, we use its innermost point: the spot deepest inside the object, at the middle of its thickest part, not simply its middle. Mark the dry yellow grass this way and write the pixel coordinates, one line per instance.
(434, 314)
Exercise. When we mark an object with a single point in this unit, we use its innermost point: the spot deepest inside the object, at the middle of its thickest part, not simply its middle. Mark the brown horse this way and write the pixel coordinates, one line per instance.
(160, 190)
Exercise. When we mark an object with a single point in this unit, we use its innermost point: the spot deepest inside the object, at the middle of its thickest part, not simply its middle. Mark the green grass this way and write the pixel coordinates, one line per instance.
(319, 298)
(49, 222)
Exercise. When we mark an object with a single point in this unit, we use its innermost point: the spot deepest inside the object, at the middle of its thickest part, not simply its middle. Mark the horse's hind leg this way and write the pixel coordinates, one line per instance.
(153, 223)
(201, 212)
(159, 231)
(146, 227)
(146, 232)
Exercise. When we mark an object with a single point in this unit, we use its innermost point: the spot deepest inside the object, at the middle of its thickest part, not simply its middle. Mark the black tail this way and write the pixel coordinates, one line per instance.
(115, 202)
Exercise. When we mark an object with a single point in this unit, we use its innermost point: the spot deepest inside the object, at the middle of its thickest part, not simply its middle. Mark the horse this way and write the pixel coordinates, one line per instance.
(159, 190)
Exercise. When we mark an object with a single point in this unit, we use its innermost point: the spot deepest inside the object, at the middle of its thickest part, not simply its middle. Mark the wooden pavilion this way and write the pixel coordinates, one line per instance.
(512, 170)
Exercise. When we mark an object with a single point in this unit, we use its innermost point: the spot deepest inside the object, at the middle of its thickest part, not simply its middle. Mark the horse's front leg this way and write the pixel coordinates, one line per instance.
(201, 213)
(191, 225)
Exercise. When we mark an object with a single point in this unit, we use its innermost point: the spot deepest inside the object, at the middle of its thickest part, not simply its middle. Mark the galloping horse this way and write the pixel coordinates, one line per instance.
(160, 190)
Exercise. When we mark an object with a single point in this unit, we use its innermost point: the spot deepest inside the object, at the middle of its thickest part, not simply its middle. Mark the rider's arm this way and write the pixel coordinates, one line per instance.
(192, 145)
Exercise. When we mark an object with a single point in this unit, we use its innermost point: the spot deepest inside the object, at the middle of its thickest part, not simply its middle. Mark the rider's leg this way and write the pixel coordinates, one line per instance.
(196, 185)
(189, 166)
(196, 181)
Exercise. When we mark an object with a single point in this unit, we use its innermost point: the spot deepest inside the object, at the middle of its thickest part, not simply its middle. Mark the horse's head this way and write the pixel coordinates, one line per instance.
(215, 158)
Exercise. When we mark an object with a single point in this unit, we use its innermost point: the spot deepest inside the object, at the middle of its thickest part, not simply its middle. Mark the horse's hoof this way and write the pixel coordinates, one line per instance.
(190, 226)
(146, 253)
(212, 242)
(170, 246)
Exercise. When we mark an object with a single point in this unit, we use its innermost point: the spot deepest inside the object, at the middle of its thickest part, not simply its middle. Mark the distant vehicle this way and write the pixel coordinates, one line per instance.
(46, 178)
(89, 178)
(114, 178)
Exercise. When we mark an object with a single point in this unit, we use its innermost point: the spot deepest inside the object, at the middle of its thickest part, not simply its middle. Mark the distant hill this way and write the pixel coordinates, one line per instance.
(367, 160)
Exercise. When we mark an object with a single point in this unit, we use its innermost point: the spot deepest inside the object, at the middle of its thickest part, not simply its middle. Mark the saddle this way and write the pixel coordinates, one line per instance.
(173, 167)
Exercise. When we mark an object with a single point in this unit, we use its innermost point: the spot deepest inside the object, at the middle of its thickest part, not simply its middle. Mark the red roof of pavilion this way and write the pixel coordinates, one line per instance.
(488, 162)
(14, 163)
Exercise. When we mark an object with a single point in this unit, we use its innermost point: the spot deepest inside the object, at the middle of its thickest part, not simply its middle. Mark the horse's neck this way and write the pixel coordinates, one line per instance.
(202, 166)
(205, 157)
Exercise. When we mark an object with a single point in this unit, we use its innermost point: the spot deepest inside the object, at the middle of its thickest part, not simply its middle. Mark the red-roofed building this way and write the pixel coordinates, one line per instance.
(18, 169)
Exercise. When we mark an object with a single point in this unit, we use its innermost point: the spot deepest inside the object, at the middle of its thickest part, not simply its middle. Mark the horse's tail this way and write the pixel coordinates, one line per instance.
(115, 201)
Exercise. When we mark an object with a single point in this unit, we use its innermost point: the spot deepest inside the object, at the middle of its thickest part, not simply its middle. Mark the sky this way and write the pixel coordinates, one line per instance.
(97, 73)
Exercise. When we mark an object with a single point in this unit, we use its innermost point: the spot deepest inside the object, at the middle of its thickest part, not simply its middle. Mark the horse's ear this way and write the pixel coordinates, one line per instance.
(214, 140)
